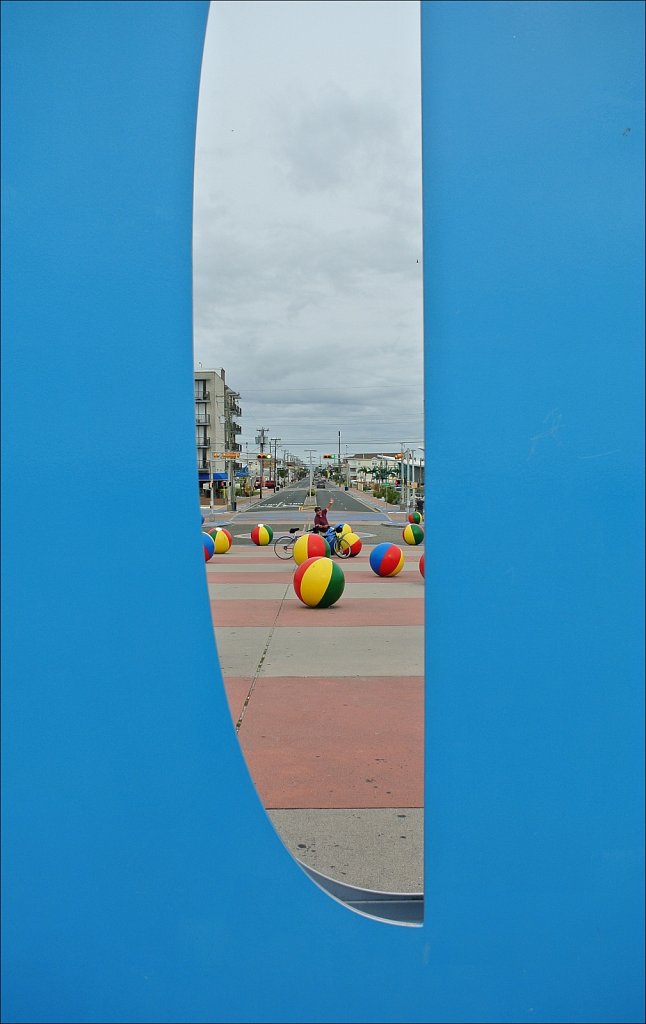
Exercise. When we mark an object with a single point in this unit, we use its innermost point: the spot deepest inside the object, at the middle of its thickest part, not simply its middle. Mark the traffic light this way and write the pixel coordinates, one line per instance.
(328, 456)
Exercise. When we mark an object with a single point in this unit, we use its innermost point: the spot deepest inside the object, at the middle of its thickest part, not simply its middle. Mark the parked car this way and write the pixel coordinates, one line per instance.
(270, 484)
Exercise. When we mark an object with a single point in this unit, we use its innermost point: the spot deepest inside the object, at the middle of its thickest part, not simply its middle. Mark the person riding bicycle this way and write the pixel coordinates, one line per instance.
(322, 526)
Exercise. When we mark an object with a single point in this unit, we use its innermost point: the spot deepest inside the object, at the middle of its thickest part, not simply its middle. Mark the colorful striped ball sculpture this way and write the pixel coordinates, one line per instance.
(413, 534)
(386, 559)
(415, 517)
(318, 582)
(421, 565)
(344, 528)
(222, 540)
(262, 535)
(351, 541)
(310, 545)
(209, 546)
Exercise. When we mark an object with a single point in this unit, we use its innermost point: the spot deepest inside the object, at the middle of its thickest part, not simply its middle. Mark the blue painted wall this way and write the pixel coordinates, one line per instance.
(141, 879)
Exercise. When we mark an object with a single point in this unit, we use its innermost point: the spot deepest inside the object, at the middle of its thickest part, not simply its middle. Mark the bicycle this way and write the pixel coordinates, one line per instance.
(284, 545)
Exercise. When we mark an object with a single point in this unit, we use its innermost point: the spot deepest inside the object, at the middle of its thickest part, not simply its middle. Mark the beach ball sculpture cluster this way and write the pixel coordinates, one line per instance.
(310, 545)
(413, 534)
(262, 535)
(216, 542)
(318, 582)
(386, 559)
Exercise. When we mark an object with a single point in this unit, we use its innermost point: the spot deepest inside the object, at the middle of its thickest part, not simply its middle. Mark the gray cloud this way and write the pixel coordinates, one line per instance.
(307, 285)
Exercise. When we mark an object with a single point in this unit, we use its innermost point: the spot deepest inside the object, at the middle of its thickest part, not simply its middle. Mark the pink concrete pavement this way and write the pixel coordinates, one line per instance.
(316, 741)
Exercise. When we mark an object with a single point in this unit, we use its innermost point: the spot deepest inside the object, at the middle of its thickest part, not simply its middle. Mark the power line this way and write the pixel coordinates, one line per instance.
(342, 387)
(329, 443)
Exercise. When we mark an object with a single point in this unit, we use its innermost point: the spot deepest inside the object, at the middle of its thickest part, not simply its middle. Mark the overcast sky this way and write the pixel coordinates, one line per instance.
(307, 229)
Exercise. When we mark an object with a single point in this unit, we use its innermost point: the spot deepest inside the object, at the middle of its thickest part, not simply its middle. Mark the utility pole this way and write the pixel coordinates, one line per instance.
(310, 451)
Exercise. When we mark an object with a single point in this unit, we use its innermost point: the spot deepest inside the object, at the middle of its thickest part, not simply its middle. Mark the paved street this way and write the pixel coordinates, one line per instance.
(329, 703)
(375, 520)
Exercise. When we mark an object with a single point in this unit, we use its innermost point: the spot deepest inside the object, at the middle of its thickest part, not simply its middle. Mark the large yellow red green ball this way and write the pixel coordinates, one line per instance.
(413, 534)
(310, 545)
(352, 542)
(262, 535)
(318, 582)
(343, 528)
(386, 559)
(421, 565)
(414, 517)
(222, 539)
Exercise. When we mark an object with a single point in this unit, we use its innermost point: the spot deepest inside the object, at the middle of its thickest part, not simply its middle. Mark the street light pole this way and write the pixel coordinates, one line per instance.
(260, 439)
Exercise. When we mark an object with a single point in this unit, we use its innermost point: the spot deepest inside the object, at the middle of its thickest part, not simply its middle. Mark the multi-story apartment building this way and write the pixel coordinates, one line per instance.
(216, 428)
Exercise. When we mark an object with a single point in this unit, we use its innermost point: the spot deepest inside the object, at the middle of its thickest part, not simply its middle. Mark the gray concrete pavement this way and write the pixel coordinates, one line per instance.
(371, 848)
(333, 712)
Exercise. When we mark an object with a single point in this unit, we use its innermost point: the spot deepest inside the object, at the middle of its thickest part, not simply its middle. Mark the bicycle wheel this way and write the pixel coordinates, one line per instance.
(283, 546)
(341, 549)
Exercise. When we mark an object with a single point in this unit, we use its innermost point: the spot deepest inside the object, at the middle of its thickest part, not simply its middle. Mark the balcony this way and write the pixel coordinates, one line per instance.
(233, 446)
(204, 442)
(234, 428)
(234, 409)
(202, 420)
(203, 396)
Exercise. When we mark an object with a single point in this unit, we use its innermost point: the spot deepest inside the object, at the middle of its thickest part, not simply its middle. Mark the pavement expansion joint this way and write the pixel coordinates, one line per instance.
(260, 662)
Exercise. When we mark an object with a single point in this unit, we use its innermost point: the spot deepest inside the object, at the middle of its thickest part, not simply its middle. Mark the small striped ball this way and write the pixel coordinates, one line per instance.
(386, 559)
(310, 545)
(318, 582)
(222, 540)
(352, 541)
(262, 535)
(209, 546)
(421, 565)
(415, 517)
(413, 534)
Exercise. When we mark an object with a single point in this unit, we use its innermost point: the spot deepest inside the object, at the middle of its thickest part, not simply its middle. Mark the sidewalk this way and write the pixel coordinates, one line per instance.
(329, 709)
